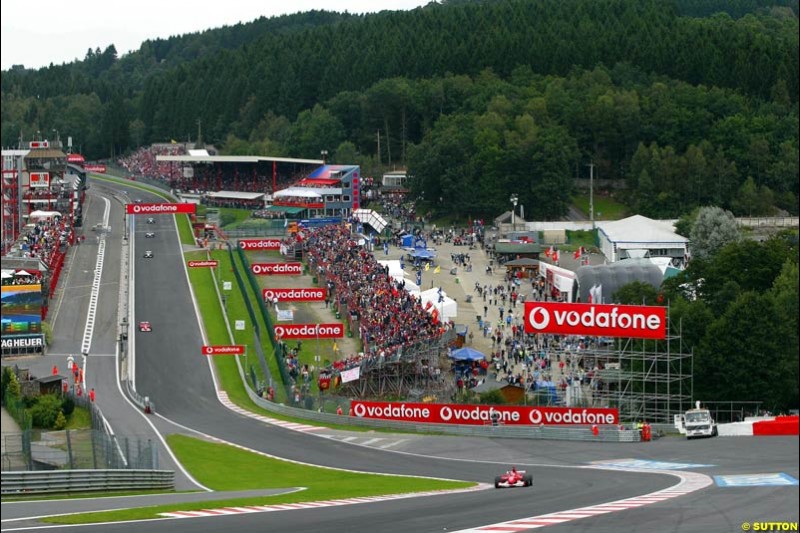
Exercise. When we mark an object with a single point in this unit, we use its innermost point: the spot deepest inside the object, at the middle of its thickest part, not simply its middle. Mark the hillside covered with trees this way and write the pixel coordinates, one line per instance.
(690, 103)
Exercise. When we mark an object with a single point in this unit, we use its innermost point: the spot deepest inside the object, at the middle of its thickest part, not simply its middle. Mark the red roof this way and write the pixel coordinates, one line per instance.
(310, 182)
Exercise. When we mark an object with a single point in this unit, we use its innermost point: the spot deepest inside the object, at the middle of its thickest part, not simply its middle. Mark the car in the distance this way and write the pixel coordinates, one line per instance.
(513, 478)
(149, 235)
(148, 254)
(151, 220)
(145, 327)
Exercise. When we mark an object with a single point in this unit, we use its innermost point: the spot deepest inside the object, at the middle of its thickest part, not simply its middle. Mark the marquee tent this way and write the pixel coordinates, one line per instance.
(467, 354)
(612, 276)
(448, 308)
(394, 267)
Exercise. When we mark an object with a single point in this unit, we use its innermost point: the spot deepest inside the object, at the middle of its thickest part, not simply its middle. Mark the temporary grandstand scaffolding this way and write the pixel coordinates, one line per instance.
(415, 372)
(647, 380)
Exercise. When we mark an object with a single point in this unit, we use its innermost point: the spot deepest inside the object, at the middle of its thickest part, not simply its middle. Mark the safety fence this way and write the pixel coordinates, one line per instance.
(75, 449)
(604, 433)
(257, 334)
(67, 481)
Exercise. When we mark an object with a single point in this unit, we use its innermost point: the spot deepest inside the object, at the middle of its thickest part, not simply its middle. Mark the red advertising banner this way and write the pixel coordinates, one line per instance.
(294, 295)
(33, 145)
(39, 179)
(260, 244)
(638, 321)
(479, 415)
(268, 269)
(159, 209)
(201, 264)
(223, 350)
(75, 158)
(310, 331)
(95, 168)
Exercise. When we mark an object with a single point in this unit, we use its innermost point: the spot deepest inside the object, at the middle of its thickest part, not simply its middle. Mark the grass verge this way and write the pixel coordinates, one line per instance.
(605, 207)
(223, 467)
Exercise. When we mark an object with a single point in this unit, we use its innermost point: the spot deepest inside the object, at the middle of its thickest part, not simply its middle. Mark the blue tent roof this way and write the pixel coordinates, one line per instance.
(422, 253)
(467, 354)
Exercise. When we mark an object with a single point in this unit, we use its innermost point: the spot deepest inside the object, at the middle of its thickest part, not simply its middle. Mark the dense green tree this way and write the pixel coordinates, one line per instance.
(739, 359)
(637, 293)
(712, 230)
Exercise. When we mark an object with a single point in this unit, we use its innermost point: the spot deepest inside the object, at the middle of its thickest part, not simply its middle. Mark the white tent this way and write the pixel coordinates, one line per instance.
(300, 192)
(23, 273)
(410, 286)
(44, 214)
(6, 275)
(448, 308)
(394, 267)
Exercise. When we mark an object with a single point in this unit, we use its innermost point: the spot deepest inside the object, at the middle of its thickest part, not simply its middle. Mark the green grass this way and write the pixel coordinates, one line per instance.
(605, 207)
(222, 467)
(576, 239)
(231, 218)
(79, 419)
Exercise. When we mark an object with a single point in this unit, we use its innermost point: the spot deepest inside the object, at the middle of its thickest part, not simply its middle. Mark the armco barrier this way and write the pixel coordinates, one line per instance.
(60, 481)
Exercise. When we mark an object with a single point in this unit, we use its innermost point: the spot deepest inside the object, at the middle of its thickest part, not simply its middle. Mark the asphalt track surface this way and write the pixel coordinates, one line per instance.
(171, 370)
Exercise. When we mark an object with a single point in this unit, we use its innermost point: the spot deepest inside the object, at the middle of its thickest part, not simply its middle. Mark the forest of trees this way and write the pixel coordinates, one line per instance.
(689, 102)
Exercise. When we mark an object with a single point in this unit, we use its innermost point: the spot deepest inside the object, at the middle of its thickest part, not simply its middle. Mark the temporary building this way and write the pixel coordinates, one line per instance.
(622, 239)
(448, 308)
(609, 278)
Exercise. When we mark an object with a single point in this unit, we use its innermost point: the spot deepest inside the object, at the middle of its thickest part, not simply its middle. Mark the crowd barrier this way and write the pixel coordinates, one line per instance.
(782, 425)
(65, 481)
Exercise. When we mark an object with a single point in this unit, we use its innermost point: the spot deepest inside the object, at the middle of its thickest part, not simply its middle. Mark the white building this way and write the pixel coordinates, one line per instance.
(639, 237)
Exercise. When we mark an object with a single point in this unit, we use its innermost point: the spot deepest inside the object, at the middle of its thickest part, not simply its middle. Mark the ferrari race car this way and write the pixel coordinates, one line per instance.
(148, 254)
(145, 327)
(151, 220)
(513, 478)
(149, 235)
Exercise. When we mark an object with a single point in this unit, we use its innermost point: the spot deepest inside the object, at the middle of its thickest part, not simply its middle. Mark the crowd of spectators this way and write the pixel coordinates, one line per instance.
(32, 278)
(388, 317)
(142, 163)
(45, 239)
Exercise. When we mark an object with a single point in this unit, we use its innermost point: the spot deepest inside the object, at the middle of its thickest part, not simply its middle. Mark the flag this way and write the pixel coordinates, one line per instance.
(549, 252)
(555, 256)
(577, 254)
(427, 266)
(437, 270)
(285, 222)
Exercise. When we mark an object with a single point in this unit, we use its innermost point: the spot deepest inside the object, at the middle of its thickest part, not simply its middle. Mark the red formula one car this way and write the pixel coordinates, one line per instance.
(513, 478)
(145, 327)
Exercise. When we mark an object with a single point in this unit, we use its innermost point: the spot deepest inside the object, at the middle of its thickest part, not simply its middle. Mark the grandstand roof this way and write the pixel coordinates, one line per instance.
(236, 195)
(233, 159)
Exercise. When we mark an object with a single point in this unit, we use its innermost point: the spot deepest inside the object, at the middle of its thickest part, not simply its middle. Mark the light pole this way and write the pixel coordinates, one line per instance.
(514, 200)
(324, 154)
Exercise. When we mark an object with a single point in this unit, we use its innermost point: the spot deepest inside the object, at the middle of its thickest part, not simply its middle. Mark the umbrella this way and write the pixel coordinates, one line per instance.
(467, 354)
(23, 273)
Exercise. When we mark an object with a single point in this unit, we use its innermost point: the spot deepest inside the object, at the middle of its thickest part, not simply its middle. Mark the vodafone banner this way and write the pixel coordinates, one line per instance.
(639, 321)
(294, 295)
(269, 269)
(201, 264)
(479, 415)
(223, 350)
(310, 331)
(159, 209)
(260, 244)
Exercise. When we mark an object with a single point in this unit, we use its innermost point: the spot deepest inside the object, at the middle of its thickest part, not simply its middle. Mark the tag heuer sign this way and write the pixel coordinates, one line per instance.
(10, 343)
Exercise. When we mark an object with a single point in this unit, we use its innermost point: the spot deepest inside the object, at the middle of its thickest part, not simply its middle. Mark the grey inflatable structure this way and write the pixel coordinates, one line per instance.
(613, 276)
